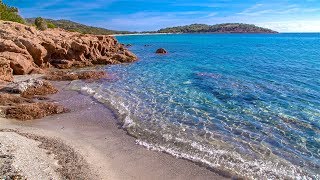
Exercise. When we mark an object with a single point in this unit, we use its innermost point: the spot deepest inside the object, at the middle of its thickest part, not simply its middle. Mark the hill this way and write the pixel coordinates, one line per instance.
(77, 27)
(218, 28)
(8, 13)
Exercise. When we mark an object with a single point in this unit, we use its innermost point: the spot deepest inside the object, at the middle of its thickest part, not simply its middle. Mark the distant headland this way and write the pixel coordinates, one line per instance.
(218, 28)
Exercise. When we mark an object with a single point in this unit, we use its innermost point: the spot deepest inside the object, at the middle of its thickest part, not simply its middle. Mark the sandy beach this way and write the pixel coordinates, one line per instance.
(86, 143)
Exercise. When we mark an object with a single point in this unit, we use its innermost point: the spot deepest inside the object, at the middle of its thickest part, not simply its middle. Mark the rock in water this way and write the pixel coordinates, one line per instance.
(161, 51)
(27, 50)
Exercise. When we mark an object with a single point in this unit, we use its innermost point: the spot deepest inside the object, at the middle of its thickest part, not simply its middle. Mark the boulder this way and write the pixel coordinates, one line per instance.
(161, 51)
(19, 63)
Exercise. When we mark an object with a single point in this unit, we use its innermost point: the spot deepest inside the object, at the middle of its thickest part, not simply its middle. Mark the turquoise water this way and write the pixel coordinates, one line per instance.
(245, 105)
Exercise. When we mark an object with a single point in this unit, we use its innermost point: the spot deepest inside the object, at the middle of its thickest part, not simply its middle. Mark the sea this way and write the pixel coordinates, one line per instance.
(242, 105)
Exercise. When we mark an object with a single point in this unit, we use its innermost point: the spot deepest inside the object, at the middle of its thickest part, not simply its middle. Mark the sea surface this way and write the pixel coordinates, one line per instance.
(245, 105)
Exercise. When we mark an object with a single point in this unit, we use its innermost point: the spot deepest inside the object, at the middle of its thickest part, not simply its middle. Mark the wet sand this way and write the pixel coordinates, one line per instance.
(105, 150)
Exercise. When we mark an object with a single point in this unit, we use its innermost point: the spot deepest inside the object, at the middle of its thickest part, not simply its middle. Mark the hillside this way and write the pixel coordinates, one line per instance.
(77, 27)
(218, 28)
(8, 13)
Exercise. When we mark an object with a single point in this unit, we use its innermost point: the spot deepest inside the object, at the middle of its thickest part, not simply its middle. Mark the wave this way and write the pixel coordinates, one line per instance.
(228, 156)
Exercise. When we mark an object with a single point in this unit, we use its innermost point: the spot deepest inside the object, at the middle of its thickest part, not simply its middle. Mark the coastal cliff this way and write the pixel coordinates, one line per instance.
(26, 50)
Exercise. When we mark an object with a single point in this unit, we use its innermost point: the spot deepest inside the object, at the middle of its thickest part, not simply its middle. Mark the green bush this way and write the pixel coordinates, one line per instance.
(41, 24)
(51, 25)
(8, 13)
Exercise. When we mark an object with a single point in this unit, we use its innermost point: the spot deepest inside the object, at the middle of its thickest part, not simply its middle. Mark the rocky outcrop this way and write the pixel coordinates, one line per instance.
(161, 51)
(27, 50)
(45, 89)
(34, 110)
(12, 100)
(25, 100)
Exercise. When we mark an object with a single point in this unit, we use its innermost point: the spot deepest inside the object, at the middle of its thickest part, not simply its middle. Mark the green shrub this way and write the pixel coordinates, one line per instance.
(41, 24)
(51, 25)
(8, 13)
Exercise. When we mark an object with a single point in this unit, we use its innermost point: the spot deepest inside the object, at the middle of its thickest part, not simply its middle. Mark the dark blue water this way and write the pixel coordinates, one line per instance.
(248, 105)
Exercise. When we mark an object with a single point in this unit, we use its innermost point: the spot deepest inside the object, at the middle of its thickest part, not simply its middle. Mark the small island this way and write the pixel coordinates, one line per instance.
(218, 28)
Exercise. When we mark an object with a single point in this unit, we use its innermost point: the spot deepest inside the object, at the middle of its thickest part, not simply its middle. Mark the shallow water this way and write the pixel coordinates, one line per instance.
(245, 105)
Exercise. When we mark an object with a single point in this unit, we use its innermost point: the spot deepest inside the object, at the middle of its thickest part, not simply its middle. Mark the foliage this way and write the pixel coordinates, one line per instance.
(81, 28)
(40, 23)
(51, 25)
(8, 13)
(218, 28)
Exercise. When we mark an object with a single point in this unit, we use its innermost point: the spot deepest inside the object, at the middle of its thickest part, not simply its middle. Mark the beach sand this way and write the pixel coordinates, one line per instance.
(88, 144)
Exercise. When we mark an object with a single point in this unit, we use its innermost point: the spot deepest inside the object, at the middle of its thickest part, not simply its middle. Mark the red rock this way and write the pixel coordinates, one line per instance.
(28, 49)
(45, 89)
(19, 63)
(70, 76)
(12, 100)
(161, 51)
(34, 110)
(5, 70)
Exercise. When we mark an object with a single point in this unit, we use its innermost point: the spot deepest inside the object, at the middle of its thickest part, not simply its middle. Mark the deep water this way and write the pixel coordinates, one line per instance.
(247, 105)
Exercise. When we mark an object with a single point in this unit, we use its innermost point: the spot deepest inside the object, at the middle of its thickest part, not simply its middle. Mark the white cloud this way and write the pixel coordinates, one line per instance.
(292, 26)
(277, 9)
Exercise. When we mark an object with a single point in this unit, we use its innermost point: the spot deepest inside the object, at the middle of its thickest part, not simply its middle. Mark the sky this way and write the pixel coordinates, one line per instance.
(145, 15)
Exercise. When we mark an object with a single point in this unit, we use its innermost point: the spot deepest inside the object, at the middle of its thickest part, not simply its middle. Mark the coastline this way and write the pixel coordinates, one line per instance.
(141, 34)
(91, 130)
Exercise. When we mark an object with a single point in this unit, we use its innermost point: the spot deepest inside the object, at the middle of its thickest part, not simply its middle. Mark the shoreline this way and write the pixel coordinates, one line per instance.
(91, 130)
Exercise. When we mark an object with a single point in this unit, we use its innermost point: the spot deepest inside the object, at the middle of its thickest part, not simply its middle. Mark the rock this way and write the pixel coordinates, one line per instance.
(161, 51)
(19, 63)
(128, 45)
(70, 76)
(11, 100)
(62, 63)
(21, 87)
(34, 110)
(45, 89)
(28, 49)
(5, 70)
(130, 55)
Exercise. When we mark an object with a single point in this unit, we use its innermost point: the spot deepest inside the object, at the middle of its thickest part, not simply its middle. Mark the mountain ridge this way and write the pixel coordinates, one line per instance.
(78, 27)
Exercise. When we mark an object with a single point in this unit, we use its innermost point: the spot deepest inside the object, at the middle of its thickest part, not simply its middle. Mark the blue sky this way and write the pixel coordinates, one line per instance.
(140, 15)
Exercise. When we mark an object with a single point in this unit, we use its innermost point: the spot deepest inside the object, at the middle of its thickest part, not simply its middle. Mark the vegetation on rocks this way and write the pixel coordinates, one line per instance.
(8, 13)
(41, 24)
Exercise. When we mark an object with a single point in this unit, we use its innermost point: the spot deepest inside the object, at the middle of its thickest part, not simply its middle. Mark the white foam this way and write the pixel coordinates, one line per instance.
(213, 157)
(128, 122)
(249, 169)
